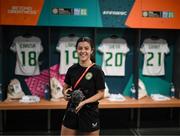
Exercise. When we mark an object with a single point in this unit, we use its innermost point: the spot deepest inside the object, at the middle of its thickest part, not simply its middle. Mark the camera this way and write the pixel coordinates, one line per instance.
(76, 96)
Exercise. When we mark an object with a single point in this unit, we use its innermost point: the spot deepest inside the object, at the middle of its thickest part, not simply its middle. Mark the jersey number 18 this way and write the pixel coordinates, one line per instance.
(31, 57)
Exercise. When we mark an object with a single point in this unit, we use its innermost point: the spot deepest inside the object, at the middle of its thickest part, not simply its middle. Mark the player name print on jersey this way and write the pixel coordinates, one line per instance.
(154, 51)
(68, 54)
(28, 50)
(114, 55)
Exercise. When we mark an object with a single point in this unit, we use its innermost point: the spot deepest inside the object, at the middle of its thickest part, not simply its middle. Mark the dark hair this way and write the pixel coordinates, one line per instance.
(85, 39)
(90, 41)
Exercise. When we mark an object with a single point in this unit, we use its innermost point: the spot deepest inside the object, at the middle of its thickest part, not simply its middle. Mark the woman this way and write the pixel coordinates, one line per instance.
(85, 118)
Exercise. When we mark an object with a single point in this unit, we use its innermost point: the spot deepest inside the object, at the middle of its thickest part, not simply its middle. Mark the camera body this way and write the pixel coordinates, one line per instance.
(76, 96)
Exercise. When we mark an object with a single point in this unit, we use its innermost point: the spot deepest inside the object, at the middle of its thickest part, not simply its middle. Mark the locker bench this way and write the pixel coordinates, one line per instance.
(145, 102)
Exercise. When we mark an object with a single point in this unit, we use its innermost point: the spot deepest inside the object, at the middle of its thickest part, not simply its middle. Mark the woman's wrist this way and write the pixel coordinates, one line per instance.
(63, 92)
(84, 102)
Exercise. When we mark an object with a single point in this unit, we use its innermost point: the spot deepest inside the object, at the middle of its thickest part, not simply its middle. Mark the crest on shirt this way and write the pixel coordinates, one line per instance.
(88, 76)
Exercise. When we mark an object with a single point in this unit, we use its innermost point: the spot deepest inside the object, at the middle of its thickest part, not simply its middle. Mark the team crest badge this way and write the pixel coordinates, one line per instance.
(88, 76)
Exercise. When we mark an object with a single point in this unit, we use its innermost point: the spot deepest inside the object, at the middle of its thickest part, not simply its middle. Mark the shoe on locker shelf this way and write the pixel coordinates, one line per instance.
(56, 89)
(14, 91)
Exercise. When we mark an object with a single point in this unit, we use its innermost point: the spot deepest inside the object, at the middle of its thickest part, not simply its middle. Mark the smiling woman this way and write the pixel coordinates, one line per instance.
(89, 79)
(84, 49)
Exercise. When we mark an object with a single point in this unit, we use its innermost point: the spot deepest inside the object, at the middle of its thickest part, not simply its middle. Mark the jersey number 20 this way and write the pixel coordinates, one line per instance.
(117, 60)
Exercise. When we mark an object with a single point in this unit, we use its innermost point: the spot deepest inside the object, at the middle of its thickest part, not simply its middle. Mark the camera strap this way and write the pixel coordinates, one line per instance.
(83, 75)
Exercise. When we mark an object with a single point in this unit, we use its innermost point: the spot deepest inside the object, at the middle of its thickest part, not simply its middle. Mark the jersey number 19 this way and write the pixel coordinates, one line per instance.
(74, 56)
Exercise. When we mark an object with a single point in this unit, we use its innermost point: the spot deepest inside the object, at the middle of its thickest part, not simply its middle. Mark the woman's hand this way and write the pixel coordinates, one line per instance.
(80, 105)
(66, 93)
(94, 98)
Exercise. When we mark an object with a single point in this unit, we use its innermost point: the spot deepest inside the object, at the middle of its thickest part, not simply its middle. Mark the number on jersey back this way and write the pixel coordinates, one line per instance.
(154, 53)
(28, 51)
(114, 55)
(68, 54)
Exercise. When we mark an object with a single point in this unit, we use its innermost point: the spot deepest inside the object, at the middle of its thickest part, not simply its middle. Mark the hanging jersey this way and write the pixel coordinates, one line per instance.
(114, 54)
(68, 54)
(28, 51)
(154, 52)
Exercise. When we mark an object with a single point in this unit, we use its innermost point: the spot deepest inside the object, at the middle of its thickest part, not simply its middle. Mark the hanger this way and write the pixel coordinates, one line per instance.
(71, 35)
(113, 36)
(27, 35)
(154, 37)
